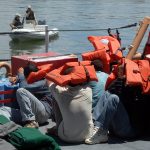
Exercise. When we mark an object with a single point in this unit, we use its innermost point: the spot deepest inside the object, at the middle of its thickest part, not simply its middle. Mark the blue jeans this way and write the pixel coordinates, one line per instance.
(30, 107)
(109, 113)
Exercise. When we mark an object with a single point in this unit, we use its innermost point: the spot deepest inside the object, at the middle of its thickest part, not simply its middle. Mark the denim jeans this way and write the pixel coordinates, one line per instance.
(109, 113)
(30, 107)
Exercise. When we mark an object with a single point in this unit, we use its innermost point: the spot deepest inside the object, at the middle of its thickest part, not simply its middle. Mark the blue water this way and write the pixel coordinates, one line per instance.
(69, 15)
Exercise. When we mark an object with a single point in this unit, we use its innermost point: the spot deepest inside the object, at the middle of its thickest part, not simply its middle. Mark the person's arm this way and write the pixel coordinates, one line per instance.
(12, 25)
(34, 87)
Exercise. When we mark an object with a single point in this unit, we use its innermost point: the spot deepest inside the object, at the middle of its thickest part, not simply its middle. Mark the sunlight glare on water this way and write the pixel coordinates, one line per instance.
(69, 15)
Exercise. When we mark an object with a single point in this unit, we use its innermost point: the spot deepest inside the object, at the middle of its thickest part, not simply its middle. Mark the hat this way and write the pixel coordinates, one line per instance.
(29, 6)
(17, 14)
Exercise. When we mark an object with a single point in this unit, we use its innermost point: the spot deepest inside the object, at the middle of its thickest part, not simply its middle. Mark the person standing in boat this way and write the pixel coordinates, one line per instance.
(16, 23)
(30, 16)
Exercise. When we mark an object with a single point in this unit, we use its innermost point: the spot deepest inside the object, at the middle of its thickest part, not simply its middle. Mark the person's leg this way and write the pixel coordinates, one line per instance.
(105, 109)
(103, 114)
(57, 118)
(121, 125)
(30, 107)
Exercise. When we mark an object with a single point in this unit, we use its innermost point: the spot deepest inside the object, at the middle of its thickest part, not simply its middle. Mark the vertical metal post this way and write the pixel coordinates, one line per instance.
(46, 38)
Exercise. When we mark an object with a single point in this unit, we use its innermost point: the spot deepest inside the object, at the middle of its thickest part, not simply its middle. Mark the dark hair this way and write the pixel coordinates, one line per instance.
(30, 68)
(68, 70)
(98, 64)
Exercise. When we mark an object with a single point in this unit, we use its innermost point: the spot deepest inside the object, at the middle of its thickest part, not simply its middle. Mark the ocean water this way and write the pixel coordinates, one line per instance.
(72, 15)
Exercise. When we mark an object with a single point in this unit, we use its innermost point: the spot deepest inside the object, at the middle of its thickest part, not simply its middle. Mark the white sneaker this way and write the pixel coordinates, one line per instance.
(99, 136)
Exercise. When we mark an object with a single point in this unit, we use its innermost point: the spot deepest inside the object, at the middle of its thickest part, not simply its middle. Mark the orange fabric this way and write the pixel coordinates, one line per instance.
(72, 64)
(144, 67)
(113, 44)
(133, 76)
(112, 47)
(46, 67)
(92, 73)
(112, 76)
(36, 76)
(79, 74)
(82, 74)
(95, 40)
(57, 78)
(102, 55)
(85, 63)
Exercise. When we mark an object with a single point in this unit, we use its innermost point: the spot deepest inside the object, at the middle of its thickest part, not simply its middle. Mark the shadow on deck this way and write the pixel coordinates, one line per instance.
(114, 143)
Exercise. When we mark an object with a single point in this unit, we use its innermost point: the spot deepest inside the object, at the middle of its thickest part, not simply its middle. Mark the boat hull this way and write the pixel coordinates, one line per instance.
(32, 32)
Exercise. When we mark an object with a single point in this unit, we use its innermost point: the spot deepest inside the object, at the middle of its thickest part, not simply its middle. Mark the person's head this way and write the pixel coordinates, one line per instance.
(17, 15)
(30, 68)
(68, 71)
(98, 64)
(29, 7)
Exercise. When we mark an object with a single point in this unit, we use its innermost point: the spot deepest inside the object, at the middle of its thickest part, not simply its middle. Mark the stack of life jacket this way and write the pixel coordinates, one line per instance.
(136, 72)
(106, 49)
(82, 72)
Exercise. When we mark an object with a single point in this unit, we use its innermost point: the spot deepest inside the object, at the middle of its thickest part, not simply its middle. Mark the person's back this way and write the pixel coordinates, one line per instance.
(98, 87)
(30, 16)
(75, 105)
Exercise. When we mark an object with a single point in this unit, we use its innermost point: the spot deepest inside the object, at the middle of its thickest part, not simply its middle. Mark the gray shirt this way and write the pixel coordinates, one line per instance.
(75, 104)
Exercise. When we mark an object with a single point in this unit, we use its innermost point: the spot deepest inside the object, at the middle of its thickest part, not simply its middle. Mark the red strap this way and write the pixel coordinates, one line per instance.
(7, 92)
(7, 100)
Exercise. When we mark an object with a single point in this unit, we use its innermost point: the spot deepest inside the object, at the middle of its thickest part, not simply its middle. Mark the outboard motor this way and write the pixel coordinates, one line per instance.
(41, 22)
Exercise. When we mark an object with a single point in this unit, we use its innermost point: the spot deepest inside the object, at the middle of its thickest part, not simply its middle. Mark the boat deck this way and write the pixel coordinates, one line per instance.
(114, 143)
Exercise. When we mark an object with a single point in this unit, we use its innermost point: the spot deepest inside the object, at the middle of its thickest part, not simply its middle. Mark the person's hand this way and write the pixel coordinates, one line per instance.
(21, 70)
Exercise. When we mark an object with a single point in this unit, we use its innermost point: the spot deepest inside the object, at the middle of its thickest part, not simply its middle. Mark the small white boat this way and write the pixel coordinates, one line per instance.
(31, 31)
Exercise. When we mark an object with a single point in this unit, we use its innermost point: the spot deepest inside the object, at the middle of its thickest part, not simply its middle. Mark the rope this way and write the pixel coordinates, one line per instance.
(63, 30)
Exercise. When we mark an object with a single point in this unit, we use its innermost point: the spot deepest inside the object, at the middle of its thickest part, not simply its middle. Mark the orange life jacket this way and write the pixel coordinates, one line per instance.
(132, 73)
(79, 74)
(102, 55)
(137, 73)
(112, 76)
(112, 47)
(144, 67)
(40, 74)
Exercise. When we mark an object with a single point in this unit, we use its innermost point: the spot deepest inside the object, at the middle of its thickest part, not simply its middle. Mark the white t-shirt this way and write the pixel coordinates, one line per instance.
(75, 105)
